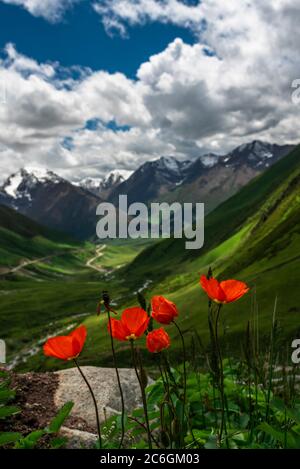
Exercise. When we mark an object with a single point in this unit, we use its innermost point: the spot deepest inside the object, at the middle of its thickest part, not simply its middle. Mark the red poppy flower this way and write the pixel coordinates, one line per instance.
(66, 347)
(158, 340)
(133, 323)
(223, 292)
(163, 310)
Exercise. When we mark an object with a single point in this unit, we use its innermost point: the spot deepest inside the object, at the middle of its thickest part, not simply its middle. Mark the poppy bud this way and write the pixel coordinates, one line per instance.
(158, 340)
(163, 310)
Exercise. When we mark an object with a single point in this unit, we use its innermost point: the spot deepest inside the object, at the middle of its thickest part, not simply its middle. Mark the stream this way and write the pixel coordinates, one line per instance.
(25, 354)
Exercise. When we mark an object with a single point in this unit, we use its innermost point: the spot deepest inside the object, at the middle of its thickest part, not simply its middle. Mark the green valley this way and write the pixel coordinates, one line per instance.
(254, 236)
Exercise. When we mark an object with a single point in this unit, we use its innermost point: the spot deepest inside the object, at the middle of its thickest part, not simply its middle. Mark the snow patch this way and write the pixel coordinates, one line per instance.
(168, 163)
(209, 160)
(12, 185)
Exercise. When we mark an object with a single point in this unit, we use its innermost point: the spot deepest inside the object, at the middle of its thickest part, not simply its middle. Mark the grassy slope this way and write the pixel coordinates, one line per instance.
(254, 236)
(220, 225)
(22, 238)
(52, 294)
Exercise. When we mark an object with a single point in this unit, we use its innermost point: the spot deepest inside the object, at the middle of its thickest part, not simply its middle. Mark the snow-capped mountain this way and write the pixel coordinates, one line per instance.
(57, 203)
(104, 186)
(257, 154)
(20, 184)
(210, 178)
(52, 201)
(151, 180)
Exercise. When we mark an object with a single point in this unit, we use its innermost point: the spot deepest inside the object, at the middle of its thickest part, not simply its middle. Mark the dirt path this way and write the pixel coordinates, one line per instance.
(24, 264)
(99, 253)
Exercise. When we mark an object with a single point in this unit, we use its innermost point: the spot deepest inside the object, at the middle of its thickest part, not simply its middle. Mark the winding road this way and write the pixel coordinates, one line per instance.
(25, 263)
(99, 253)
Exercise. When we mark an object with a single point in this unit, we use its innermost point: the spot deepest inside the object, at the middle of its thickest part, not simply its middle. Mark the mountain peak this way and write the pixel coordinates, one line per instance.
(169, 163)
(18, 184)
(103, 186)
(209, 160)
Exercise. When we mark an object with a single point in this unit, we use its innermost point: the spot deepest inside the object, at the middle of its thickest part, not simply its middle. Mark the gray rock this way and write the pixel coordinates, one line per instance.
(71, 387)
(78, 439)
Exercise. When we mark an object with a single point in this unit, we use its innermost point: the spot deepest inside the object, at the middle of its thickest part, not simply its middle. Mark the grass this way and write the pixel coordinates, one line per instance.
(53, 294)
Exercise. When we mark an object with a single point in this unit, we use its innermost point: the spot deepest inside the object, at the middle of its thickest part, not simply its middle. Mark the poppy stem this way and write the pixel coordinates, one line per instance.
(221, 382)
(184, 376)
(119, 383)
(94, 401)
(144, 400)
(141, 424)
(166, 384)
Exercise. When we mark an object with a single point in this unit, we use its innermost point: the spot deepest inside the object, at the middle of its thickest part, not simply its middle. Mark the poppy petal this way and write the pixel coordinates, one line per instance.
(117, 330)
(213, 289)
(234, 289)
(135, 320)
(158, 340)
(60, 347)
(163, 310)
(66, 347)
(80, 335)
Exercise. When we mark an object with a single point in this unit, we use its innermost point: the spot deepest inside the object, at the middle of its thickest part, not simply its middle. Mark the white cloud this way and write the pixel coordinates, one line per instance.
(117, 13)
(39, 111)
(184, 101)
(51, 10)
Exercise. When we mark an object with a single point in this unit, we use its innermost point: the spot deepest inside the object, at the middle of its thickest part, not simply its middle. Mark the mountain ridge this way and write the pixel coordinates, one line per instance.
(209, 178)
(59, 204)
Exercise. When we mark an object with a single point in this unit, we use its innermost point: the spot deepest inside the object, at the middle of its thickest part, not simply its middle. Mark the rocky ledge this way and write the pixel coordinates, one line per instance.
(40, 395)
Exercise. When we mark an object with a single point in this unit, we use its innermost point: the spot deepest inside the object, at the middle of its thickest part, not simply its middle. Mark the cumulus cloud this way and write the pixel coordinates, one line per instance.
(231, 86)
(39, 111)
(51, 10)
(116, 14)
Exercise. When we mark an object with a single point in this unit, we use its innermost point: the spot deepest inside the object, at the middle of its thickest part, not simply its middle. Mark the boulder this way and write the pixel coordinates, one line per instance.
(71, 387)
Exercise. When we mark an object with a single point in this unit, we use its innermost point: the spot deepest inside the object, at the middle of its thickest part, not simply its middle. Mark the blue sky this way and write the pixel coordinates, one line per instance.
(88, 86)
(80, 39)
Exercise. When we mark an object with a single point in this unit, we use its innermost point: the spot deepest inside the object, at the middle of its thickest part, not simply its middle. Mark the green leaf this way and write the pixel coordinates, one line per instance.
(6, 395)
(277, 435)
(9, 437)
(60, 418)
(5, 384)
(58, 442)
(7, 411)
(31, 440)
(212, 443)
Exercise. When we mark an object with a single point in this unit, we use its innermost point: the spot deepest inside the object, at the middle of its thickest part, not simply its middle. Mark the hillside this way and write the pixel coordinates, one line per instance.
(48, 282)
(22, 238)
(222, 224)
(255, 237)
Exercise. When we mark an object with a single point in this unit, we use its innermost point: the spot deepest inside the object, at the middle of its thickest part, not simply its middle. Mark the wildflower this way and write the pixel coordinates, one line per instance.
(66, 347)
(224, 292)
(132, 325)
(163, 310)
(158, 340)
